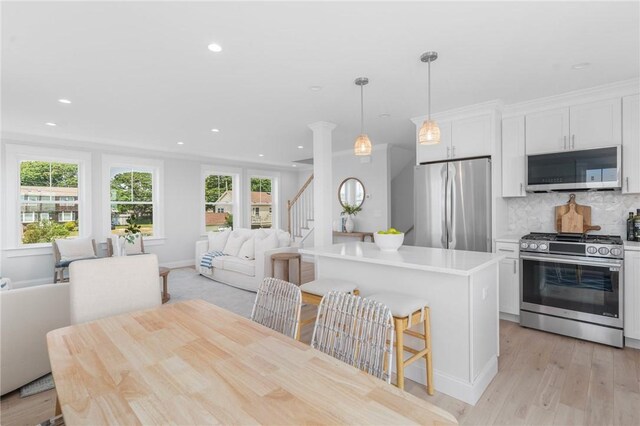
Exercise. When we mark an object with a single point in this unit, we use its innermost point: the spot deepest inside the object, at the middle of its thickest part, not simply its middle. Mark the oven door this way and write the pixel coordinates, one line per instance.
(579, 288)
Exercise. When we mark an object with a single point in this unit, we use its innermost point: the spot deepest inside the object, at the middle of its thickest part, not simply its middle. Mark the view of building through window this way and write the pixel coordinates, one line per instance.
(218, 202)
(48, 201)
(261, 203)
(131, 196)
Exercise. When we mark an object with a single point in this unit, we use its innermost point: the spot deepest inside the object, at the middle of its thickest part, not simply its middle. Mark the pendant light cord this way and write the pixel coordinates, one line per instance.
(361, 109)
(429, 88)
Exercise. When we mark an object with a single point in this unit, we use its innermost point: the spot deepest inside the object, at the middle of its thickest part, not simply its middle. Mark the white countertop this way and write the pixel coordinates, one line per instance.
(632, 245)
(456, 262)
(509, 239)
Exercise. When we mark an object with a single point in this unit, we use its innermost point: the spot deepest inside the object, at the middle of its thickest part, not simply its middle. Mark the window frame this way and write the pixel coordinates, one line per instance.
(275, 195)
(156, 168)
(14, 155)
(236, 203)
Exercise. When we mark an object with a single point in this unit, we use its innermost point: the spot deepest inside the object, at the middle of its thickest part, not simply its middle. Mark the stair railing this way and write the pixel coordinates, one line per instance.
(300, 209)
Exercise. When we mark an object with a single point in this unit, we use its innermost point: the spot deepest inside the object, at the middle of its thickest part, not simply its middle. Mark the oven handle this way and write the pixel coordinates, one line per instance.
(574, 261)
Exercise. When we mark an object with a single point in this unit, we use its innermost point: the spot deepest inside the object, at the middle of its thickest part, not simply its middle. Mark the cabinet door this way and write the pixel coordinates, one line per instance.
(509, 295)
(547, 131)
(471, 137)
(632, 294)
(513, 167)
(596, 124)
(438, 152)
(631, 144)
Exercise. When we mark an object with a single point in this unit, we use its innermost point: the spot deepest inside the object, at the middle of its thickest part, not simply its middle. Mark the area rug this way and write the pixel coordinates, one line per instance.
(187, 284)
(42, 384)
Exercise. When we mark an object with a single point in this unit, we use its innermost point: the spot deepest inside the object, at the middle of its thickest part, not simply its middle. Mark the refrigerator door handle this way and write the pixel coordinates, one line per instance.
(445, 226)
(451, 173)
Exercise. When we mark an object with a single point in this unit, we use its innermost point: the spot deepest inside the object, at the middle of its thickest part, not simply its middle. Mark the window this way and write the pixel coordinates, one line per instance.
(261, 202)
(48, 190)
(131, 192)
(218, 201)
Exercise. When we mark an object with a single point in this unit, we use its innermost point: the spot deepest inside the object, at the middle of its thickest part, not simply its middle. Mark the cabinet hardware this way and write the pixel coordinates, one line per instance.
(453, 152)
(514, 267)
(573, 141)
(565, 142)
(627, 181)
(521, 188)
(510, 251)
(448, 151)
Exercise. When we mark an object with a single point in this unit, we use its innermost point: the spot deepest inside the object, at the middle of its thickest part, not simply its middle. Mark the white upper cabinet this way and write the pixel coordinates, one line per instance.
(513, 158)
(438, 152)
(596, 124)
(547, 131)
(471, 137)
(631, 144)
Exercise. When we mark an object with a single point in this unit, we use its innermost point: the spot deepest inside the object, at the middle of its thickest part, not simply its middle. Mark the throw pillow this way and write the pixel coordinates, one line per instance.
(247, 251)
(284, 238)
(234, 243)
(269, 242)
(74, 249)
(218, 240)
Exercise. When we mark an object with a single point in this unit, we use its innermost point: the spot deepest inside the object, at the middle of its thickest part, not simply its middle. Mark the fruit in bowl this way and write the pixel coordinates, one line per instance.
(389, 240)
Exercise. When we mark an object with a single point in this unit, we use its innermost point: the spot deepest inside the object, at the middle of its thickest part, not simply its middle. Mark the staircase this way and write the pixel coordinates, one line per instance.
(300, 215)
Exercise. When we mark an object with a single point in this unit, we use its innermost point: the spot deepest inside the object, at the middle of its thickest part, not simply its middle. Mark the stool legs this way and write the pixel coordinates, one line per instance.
(427, 344)
(399, 324)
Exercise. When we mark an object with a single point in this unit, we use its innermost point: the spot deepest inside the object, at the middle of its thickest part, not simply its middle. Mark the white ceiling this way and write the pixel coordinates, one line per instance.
(140, 73)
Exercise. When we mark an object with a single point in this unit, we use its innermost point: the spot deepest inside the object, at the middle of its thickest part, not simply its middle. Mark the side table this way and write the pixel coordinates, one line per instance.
(288, 257)
(164, 273)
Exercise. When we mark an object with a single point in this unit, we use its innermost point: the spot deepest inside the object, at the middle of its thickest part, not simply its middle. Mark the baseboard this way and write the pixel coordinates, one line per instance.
(631, 343)
(454, 386)
(178, 264)
(509, 317)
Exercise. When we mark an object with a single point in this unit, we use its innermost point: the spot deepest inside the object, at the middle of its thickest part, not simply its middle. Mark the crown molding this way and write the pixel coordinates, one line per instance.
(489, 107)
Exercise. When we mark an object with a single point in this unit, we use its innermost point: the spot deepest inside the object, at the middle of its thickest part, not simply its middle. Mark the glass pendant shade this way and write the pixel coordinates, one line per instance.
(429, 133)
(362, 145)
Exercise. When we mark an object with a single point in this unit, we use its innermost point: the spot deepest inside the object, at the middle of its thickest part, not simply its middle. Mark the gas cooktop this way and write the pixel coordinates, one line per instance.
(573, 244)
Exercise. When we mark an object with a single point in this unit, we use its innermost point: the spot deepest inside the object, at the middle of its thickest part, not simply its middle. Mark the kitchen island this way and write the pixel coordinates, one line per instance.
(461, 288)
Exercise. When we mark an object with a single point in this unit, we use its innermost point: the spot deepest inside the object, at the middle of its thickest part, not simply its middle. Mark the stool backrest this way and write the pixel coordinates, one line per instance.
(356, 331)
(277, 306)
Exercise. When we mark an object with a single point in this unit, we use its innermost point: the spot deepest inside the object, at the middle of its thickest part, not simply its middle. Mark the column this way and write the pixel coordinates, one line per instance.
(323, 190)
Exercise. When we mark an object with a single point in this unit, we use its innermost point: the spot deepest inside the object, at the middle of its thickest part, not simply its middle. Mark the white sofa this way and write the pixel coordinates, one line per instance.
(27, 315)
(240, 271)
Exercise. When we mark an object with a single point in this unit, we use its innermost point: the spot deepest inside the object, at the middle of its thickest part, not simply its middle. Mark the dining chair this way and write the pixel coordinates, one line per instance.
(277, 306)
(113, 246)
(357, 331)
(66, 251)
(113, 285)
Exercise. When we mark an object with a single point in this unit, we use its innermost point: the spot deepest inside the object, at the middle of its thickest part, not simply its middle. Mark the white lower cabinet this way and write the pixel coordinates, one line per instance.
(632, 294)
(509, 276)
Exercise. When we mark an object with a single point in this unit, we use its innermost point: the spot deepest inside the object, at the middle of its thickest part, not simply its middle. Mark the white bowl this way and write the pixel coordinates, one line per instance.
(388, 242)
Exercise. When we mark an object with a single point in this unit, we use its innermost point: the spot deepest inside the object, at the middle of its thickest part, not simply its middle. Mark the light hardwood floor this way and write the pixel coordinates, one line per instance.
(543, 379)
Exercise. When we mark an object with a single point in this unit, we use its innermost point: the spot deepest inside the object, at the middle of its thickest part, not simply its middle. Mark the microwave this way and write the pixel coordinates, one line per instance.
(589, 169)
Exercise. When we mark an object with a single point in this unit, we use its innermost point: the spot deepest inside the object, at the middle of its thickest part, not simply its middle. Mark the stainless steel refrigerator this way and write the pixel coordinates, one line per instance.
(452, 202)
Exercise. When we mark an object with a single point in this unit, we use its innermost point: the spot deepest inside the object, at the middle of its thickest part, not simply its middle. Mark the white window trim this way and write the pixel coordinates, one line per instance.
(275, 194)
(18, 153)
(236, 174)
(157, 168)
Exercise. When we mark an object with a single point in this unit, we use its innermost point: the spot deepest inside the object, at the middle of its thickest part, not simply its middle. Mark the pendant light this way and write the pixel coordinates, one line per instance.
(362, 146)
(429, 132)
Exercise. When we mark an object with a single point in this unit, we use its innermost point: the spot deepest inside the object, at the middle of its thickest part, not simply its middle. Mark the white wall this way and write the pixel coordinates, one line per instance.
(182, 204)
(374, 175)
(401, 168)
(536, 212)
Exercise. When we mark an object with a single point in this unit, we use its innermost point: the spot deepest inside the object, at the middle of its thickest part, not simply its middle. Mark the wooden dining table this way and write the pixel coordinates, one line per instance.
(195, 363)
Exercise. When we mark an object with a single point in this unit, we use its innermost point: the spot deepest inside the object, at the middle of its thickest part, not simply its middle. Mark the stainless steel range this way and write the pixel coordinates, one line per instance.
(571, 284)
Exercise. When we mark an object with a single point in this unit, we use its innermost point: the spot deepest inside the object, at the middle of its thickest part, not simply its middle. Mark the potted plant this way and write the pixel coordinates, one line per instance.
(131, 232)
(350, 210)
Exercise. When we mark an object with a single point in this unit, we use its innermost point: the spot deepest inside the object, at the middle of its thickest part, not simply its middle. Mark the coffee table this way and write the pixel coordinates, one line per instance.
(164, 273)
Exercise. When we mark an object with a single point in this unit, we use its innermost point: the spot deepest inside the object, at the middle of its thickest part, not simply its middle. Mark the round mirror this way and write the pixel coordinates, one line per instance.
(351, 192)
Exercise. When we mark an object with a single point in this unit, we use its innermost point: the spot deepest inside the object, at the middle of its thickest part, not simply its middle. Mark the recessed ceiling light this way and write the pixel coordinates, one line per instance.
(385, 115)
(300, 146)
(215, 47)
(581, 66)
(215, 130)
(181, 143)
(64, 101)
(294, 165)
(315, 88)
(260, 155)
(51, 124)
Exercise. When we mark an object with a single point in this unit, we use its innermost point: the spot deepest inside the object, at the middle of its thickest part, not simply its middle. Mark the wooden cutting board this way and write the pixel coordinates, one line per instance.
(572, 221)
(584, 211)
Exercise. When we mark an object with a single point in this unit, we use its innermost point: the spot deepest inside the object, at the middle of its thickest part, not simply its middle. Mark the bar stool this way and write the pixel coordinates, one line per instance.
(314, 291)
(408, 311)
(287, 257)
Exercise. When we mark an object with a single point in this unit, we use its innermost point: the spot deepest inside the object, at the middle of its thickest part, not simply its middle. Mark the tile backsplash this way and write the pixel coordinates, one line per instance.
(536, 212)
